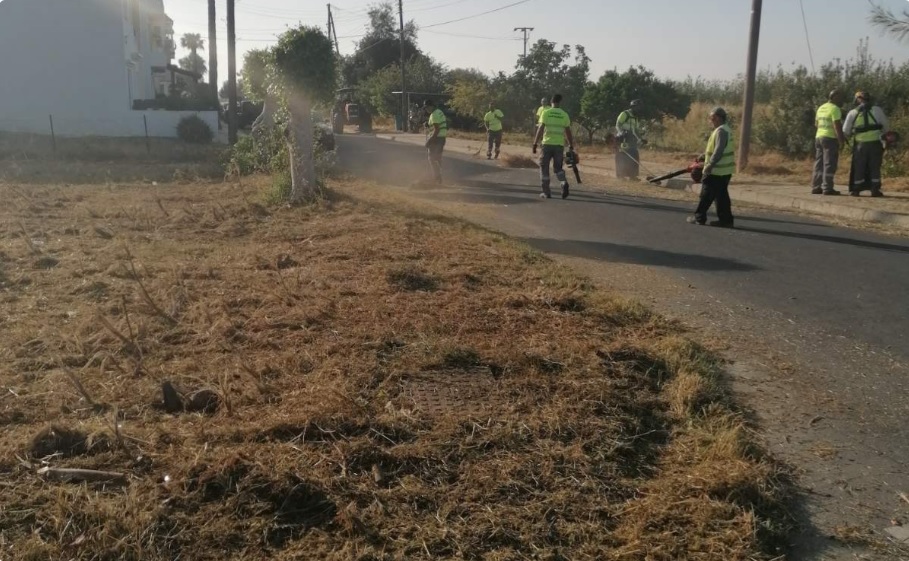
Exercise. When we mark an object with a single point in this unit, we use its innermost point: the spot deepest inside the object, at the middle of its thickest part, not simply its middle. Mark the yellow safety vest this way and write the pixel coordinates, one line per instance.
(437, 117)
(867, 130)
(827, 114)
(726, 165)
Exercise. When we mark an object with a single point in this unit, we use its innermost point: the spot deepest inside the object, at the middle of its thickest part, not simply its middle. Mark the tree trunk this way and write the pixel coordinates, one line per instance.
(300, 140)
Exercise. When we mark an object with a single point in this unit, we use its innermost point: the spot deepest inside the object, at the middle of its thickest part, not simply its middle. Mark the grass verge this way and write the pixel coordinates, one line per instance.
(376, 383)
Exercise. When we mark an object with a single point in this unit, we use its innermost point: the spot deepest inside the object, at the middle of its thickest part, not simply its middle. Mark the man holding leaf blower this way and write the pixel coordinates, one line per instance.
(553, 130)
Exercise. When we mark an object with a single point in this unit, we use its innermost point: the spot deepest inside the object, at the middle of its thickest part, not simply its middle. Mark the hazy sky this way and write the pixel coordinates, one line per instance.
(675, 38)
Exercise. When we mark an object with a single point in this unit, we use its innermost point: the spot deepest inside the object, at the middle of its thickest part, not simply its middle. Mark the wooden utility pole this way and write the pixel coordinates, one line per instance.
(231, 74)
(404, 107)
(213, 49)
(750, 74)
(333, 31)
(526, 31)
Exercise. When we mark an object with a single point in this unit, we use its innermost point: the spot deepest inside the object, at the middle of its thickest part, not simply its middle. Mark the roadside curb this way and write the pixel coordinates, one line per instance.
(788, 202)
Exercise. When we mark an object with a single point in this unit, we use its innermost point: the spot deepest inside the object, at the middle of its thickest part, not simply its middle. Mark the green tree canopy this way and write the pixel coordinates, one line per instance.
(380, 47)
(611, 94)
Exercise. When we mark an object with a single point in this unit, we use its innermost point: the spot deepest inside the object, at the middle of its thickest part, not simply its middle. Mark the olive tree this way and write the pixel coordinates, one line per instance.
(306, 74)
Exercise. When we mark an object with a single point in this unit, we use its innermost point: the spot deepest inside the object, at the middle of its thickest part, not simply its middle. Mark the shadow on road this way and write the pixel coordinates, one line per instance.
(638, 255)
(828, 239)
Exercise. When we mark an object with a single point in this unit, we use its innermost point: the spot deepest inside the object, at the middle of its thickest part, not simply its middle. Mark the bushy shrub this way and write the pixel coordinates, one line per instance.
(194, 130)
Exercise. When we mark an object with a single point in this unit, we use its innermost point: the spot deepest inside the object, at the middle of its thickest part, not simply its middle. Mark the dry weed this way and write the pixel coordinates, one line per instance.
(389, 386)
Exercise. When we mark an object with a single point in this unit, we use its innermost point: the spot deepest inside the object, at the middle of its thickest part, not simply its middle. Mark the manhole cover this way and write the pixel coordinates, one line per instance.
(442, 392)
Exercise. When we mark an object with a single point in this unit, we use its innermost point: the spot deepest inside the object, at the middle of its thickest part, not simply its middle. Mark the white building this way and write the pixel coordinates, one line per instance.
(84, 64)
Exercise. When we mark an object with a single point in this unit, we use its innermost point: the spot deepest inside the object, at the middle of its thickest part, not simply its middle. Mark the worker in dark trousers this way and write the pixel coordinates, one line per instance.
(435, 141)
(553, 130)
(628, 138)
(492, 120)
(719, 165)
(827, 143)
(866, 124)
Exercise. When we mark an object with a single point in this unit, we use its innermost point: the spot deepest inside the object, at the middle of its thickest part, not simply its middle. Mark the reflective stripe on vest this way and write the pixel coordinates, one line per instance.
(867, 129)
(726, 165)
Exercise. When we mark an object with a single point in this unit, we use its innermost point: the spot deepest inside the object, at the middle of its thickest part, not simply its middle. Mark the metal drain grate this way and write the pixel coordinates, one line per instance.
(442, 392)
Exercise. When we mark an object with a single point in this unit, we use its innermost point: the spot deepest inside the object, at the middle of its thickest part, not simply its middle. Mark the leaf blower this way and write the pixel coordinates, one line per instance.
(695, 168)
(572, 159)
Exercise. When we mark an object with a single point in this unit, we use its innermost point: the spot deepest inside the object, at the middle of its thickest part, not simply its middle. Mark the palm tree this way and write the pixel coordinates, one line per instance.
(194, 42)
(890, 23)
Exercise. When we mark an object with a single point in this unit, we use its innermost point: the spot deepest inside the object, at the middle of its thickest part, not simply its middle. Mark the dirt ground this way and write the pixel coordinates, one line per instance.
(345, 381)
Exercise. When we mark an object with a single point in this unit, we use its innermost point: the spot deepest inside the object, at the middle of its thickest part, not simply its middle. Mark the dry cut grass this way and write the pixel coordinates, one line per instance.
(376, 385)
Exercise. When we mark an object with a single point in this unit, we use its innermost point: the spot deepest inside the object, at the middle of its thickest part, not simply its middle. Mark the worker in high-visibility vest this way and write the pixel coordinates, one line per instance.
(435, 141)
(866, 124)
(492, 120)
(554, 131)
(719, 165)
(544, 105)
(827, 143)
(628, 137)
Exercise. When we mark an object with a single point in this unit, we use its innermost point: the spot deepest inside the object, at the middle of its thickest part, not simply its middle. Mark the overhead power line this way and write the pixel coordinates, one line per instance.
(475, 15)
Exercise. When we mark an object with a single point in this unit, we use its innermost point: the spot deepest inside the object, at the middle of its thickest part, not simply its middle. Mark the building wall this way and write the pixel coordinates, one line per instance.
(63, 58)
(80, 63)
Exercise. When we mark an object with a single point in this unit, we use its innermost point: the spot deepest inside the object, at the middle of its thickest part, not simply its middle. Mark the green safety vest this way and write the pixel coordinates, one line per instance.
(726, 165)
(493, 120)
(437, 117)
(827, 114)
(867, 129)
(556, 121)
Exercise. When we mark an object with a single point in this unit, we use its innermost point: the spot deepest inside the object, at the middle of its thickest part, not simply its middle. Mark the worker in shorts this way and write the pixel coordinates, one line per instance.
(435, 141)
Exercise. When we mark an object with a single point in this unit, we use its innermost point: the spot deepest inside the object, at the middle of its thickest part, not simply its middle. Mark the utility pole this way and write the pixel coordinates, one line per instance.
(213, 49)
(750, 73)
(526, 31)
(231, 74)
(333, 31)
(403, 72)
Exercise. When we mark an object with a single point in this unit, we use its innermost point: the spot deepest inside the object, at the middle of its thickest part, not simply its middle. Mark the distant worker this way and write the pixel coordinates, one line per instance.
(435, 141)
(544, 105)
(866, 124)
(554, 129)
(493, 123)
(827, 143)
(719, 164)
(628, 138)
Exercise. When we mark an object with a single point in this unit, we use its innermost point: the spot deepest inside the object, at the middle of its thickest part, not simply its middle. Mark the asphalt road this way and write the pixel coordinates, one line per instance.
(833, 301)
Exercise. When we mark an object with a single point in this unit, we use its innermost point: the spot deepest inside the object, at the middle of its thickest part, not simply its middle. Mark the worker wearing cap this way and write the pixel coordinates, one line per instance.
(492, 120)
(719, 165)
(866, 124)
(435, 142)
(628, 137)
(827, 142)
(553, 130)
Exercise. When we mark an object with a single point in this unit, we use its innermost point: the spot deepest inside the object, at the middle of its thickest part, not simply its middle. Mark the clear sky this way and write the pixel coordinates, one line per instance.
(674, 38)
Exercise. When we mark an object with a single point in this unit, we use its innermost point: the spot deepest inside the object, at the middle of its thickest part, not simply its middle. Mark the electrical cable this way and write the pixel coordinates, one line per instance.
(475, 15)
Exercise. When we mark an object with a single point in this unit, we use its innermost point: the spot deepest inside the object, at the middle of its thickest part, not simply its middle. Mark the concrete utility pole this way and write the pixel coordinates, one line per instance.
(750, 73)
(403, 72)
(231, 74)
(526, 31)
(213, 49)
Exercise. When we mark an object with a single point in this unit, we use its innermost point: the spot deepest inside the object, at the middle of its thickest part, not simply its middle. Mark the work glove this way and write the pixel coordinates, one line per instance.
(534, 148)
